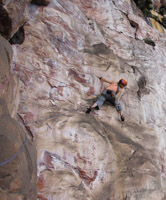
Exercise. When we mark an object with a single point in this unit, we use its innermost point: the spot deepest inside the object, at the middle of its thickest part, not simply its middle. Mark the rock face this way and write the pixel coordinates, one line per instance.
(13, 15)
(18, 154)
(67, 46)
(41, 2)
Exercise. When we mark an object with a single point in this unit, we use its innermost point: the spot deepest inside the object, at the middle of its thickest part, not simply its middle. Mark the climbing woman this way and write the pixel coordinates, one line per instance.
(111, 94)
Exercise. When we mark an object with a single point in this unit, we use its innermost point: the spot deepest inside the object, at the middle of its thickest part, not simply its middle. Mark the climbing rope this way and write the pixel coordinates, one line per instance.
(13, 157)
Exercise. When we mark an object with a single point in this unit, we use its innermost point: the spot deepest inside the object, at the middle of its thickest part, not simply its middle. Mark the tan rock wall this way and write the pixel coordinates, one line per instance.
(67, 46)
(17, 166)
(13, 15)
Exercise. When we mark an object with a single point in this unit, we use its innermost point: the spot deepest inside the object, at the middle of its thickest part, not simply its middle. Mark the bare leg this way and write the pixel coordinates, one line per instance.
(94, 105)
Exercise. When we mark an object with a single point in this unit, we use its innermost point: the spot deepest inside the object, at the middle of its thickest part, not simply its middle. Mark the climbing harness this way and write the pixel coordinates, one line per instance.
(13, 157)
(112, 93)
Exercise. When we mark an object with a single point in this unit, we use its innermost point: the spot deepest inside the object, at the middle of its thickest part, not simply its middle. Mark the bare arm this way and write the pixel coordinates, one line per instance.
(117, 97)
(104, 80)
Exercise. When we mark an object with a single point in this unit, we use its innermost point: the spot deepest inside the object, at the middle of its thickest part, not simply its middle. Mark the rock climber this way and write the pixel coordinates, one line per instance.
(112, 94)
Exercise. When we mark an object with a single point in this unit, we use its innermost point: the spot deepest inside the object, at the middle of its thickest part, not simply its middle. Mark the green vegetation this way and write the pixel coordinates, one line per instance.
(149, 41)
(145, 6)
(164, 21)
(162, 10)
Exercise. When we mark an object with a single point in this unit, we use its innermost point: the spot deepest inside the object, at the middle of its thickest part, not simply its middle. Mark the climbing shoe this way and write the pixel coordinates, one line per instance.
(88, 110)
(122, 118)
(97, 108)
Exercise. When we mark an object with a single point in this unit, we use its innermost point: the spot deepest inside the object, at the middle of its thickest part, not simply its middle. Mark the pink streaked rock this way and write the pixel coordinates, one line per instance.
(68, 46)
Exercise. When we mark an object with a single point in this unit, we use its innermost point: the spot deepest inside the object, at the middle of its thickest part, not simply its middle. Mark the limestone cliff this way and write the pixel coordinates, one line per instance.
(18, 155)
(65, 46)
